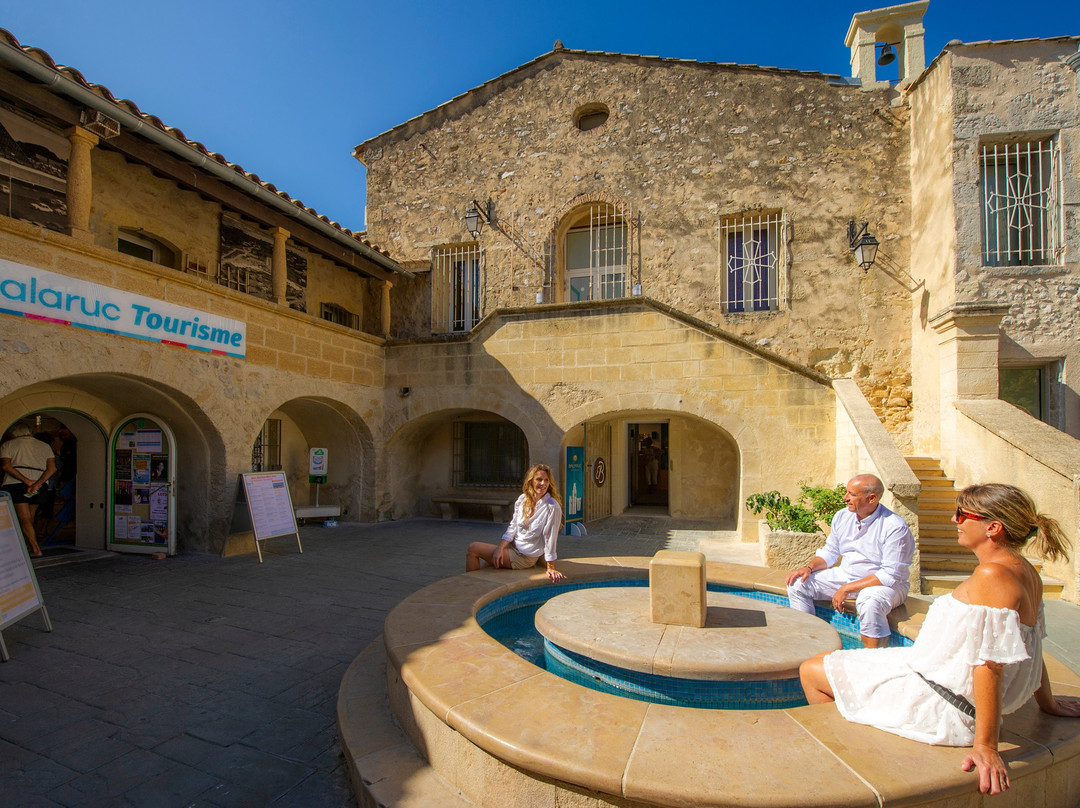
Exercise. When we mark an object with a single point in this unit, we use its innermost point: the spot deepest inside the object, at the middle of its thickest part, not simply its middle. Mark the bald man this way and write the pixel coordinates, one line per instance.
(875, 547)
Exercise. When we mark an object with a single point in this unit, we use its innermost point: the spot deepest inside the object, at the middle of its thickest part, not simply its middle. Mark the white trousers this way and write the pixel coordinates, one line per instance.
(872, 604)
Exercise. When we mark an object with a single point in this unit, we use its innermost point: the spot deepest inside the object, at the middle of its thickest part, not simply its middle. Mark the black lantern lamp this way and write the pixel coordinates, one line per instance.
(475, 216)
(863, 244)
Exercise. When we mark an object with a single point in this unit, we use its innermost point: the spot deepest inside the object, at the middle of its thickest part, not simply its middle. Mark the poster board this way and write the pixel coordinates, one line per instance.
(20, 594)
(264, 507)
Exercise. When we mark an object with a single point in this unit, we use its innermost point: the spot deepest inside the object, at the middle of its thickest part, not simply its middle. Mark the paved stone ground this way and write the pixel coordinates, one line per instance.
(200, 681)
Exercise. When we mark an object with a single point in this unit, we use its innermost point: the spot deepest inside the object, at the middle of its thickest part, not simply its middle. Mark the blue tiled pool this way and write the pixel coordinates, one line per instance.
(510, 620)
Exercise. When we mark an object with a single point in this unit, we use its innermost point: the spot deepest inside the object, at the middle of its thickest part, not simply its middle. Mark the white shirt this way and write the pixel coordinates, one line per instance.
(540, 532)
(881, 545)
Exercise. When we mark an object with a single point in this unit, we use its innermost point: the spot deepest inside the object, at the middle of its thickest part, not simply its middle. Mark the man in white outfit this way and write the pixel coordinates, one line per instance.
(876, 547)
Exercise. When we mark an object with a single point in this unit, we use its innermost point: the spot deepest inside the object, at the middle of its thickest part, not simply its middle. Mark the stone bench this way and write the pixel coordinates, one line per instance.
(316, 512)
(450, 506)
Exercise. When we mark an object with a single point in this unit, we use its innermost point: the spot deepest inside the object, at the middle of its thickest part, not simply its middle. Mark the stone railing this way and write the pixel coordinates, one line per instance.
(864, 446)
(998, 442)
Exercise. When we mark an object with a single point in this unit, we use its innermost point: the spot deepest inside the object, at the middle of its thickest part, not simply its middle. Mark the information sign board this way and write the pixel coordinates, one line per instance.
(267, 506)
(19, 591)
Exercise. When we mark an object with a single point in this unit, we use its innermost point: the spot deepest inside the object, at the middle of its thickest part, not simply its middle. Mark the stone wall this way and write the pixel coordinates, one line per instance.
(685, 146)
(766, 423)
(328, 379)
(1021, 91)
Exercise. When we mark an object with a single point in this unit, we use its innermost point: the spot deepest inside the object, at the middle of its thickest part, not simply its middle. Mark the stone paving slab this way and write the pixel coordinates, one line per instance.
(210, 682)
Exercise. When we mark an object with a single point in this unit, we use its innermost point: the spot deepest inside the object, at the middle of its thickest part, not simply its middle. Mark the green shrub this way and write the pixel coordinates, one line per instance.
(814, 504)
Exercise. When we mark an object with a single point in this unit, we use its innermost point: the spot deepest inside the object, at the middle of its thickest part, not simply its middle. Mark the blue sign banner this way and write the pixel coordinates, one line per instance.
(575, 486)
(40, 295)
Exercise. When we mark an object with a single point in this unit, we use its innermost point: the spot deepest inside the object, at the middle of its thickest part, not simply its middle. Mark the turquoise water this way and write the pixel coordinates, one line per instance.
(510, 620)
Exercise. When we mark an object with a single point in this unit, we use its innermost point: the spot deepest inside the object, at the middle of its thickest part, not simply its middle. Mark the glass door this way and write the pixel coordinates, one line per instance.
(142, 474)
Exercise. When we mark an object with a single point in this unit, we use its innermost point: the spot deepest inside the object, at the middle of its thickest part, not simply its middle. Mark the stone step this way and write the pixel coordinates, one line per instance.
(934, 583)
(384, 767)
(946, 562)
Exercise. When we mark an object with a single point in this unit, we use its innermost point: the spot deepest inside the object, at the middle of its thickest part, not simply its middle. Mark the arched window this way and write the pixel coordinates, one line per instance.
(595, 252)
(142, 245)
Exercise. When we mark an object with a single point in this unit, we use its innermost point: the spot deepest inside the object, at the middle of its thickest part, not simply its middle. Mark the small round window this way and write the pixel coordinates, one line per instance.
(591, 116)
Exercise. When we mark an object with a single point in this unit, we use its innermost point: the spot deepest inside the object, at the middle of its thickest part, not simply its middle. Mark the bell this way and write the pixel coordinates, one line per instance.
(888, 55)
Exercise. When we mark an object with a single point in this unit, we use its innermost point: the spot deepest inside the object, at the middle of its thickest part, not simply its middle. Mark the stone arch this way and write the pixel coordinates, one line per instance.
(419, 459)
(319, 421)
(104, 399)
(746, 440)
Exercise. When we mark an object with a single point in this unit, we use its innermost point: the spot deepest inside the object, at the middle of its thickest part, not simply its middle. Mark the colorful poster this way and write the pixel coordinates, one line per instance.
(575, 485)
(159, 468)
(122, 494)
(140, 465)
(122, 465)
(159, 504)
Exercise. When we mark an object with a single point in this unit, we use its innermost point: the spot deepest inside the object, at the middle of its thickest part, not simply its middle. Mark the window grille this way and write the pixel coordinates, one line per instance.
(340, 315)
(1020, 203)
(489, 453)
(751, 247)
(266, 452)
(196, 265)
(455, 289)
(598, 255)
(233, 277)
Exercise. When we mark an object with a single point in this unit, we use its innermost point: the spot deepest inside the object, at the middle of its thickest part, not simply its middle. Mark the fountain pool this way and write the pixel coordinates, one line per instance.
(441, 713)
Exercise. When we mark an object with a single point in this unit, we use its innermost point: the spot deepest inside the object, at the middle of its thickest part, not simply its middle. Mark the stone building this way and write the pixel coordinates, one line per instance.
(595, 256)
(185, 320)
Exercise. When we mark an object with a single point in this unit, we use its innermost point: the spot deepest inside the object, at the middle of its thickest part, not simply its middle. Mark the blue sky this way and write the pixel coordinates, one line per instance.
(287, 89)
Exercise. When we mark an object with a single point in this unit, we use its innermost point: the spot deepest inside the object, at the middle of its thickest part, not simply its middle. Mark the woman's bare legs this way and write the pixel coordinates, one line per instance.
(815, 683)
(478, 553)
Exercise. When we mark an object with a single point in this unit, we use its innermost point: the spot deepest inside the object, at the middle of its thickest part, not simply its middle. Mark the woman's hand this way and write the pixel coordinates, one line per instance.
(993, 775)
(1059, 705)
(498, 558)
(554, 575)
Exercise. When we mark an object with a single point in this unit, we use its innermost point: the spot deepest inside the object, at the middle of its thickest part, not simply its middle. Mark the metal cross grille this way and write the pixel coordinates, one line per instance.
(750, 249)
(455, 289)
(1020, 202)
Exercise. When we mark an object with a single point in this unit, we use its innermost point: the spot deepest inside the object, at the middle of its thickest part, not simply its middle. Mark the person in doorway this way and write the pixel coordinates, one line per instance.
(876, 548)
(533, 530)
(27, 464)
(978, 655)
(650, 456)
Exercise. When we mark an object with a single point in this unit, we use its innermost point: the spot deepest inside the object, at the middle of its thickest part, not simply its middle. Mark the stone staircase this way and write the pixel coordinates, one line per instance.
(943, 562)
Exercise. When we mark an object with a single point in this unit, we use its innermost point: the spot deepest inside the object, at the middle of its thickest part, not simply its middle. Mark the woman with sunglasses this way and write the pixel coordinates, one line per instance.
(978, 655)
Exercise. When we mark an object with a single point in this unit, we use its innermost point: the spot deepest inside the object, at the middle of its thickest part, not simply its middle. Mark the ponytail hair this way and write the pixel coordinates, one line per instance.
(1015, 510)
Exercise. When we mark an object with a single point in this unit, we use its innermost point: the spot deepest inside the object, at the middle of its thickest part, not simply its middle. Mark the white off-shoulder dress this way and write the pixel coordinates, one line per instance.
(882, 687)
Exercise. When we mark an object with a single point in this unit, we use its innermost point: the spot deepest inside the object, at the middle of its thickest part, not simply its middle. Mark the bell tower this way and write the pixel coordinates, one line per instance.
(878, 37)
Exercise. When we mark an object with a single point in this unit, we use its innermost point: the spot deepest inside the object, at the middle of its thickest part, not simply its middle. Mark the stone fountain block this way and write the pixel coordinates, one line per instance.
(677, 588)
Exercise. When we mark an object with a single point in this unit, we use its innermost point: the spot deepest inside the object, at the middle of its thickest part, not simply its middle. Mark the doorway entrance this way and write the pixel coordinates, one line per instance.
(648, 446)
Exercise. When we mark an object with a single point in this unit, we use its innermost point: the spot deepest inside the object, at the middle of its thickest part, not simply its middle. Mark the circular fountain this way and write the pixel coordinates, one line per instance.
(441, 713)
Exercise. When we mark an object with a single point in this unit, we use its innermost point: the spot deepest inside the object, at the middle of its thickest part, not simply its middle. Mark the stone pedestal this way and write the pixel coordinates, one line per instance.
(677, 588)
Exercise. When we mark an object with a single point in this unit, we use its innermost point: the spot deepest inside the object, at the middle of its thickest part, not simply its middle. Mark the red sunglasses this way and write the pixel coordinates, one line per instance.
(962, 515)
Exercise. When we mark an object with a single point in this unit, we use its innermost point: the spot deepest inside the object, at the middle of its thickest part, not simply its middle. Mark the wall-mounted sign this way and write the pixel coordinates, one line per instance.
(599, 472)
(40, 295)
(575, 485)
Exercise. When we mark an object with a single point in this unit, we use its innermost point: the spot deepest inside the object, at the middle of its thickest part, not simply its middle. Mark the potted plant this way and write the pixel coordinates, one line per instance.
(792, 531)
